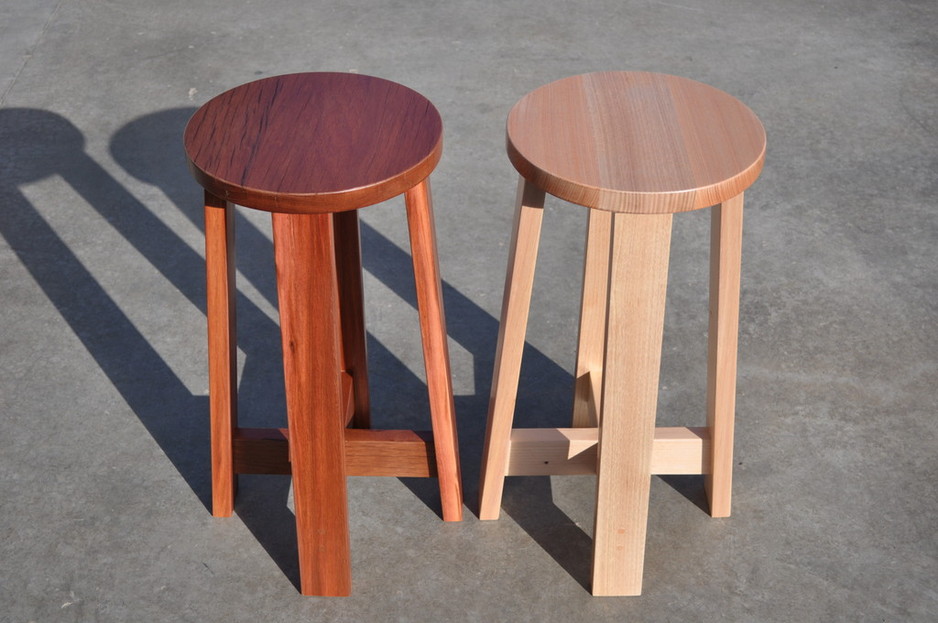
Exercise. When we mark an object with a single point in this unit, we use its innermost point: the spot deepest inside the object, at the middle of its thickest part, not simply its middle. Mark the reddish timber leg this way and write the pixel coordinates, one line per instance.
(222, 349)
(435, 349)
(309, 324)
(348, 259)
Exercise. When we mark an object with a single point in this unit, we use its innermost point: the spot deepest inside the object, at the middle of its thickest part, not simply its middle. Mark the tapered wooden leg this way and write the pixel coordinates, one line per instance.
(637, 286)
(592, 339)
(309, 326)
(348, 259)
(726, 231)
(435, 349)
(222, 349)
(516, 301)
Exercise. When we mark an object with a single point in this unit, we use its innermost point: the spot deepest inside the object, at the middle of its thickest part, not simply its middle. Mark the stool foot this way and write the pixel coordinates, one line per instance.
(516, 302)
(309, 324)
(726, 230)
(635, 322)
(222, 349)
(435, 348)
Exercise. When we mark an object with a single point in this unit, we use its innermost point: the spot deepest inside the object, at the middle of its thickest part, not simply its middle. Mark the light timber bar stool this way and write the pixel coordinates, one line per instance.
(311, 149)
(635, 148)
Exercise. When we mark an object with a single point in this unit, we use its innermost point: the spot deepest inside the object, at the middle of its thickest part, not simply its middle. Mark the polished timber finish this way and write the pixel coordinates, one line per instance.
(311, 149)
(222, 349)
(314, 142)
(103, 440)
(435, 349)
(635, 148)
(309, 326)
(636, 142)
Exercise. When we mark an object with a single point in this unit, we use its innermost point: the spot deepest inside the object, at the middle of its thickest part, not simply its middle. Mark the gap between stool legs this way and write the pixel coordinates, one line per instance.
(516, 302)
(222, 349)
(726, 229)
(592, 334)
(309, 324)
(435, 348)
(638, 278)
(348, 261)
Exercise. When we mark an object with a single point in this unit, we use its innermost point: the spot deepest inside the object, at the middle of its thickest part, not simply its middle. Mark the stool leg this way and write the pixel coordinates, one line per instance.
(592, 338)
(516, 301)
(222, 349)
(638, 280)
(348, 260)
(435, 349)
(309, 326)
(726, 231)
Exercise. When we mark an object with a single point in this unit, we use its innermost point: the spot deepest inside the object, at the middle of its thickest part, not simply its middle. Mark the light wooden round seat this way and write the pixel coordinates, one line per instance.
(312, 149)
(635, 147)
(635, 142)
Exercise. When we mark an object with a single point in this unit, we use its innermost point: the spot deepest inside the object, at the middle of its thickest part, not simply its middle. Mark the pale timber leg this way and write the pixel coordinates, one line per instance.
(222, 349)
(309, 325)
(592, 338)
(638, 279)
(435, 349)
(348, 259)
(726, 231)
(516, 301)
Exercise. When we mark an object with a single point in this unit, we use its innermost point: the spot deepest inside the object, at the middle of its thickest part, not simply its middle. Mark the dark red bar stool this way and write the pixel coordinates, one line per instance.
(312, 149)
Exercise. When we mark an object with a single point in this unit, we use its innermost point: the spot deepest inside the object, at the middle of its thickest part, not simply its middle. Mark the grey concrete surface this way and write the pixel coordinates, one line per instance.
(104, 480)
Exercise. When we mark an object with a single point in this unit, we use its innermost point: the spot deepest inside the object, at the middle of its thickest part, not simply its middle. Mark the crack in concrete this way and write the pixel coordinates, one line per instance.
(29, 52)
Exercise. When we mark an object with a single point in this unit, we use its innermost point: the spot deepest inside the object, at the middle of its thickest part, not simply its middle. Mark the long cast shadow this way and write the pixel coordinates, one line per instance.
(148, 148)
(35, 144)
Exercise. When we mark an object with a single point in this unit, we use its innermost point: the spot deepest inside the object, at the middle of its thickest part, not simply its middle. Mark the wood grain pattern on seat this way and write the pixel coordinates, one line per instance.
(314, 142)
(636, 142)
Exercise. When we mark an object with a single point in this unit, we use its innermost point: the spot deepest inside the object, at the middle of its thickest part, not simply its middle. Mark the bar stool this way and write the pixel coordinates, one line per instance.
(311, 149)
(635, 148)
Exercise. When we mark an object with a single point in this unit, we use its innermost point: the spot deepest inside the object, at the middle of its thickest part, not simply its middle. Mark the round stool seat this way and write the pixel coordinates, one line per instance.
(313, 142)
(636, 142)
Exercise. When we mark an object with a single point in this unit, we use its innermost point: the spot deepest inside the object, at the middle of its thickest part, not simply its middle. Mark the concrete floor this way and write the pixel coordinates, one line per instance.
(104, 475)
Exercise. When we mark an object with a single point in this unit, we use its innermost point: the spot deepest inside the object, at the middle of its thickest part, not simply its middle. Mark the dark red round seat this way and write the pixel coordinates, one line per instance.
(314, 142)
